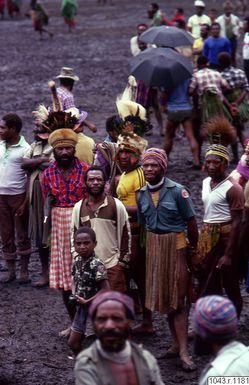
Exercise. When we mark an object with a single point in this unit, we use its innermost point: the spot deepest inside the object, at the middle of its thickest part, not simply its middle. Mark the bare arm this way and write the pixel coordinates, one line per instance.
(192, 232)
(226, 259)
(104, 285)
(33, 163)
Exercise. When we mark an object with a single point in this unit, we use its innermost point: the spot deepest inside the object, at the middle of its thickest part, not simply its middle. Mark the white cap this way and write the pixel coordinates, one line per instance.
(199, 3)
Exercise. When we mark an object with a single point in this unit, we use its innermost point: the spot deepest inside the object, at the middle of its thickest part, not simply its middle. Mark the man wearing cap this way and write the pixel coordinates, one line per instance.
(65, 94)
(112, 358)
(216, 263)
(195, 21)
(85, 144)
(64, 182)
(215, 325)
(166, 210)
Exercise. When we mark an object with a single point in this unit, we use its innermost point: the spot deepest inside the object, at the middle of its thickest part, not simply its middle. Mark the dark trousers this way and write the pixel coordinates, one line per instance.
(12, 226)
(246, 68)
(228, 279)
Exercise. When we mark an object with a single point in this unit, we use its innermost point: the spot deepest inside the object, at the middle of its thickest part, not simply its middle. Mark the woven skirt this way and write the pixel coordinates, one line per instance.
(162, 272)
(61, 258)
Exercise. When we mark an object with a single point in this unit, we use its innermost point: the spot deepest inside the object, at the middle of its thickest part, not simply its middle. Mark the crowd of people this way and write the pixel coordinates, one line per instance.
(114, 234)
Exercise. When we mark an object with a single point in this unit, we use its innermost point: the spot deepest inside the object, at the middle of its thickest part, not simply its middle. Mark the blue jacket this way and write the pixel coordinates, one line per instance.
(174, 208)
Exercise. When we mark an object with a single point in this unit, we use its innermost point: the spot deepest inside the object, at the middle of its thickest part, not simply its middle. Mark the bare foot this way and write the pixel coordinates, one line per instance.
(65, 333)
(43, 281)
(188, 364)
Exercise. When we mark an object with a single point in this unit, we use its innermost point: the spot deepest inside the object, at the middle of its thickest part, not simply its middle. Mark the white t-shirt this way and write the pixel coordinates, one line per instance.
(195, 21)
(245, 50)
(216, 207)
(12, 176)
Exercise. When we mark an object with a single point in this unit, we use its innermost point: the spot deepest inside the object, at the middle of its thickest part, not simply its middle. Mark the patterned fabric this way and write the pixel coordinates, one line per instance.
(215, 318)
(236, 78)
(205, 79)
(87, 274)
(157, 154)
(66, 98)
(61, 258)
(65, 192)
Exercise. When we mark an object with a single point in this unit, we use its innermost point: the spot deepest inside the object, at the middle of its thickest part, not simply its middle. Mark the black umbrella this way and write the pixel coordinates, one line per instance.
(166, 37)
(161, 67)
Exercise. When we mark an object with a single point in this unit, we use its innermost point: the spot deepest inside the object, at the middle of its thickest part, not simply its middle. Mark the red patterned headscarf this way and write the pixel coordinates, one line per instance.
(158, 155)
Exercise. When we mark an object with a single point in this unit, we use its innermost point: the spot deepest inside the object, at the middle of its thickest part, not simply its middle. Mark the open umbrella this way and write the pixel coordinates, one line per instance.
(161, 67)
(167, 37)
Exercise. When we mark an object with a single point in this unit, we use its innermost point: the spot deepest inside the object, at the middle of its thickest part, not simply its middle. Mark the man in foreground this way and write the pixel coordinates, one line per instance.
(113, 359)
(215, 324)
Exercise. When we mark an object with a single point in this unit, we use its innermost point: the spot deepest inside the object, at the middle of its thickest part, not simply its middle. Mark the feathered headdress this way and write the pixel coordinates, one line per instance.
(133, 114)
(220, 134)
(219, 131)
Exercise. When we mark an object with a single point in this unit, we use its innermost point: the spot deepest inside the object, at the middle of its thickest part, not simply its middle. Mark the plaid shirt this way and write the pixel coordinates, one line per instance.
(65, 192)
(66, 98)
(205, 79)
(236, 78)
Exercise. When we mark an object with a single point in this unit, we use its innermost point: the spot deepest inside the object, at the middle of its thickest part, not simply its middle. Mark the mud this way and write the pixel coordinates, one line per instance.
(30, 349)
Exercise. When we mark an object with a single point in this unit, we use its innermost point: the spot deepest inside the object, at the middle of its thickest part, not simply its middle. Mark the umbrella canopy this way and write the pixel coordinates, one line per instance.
(167, 37)
(161, 67)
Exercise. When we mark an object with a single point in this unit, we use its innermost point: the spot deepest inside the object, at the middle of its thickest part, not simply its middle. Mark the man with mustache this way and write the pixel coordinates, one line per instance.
(108, 217)
(112, 358)
(64, 181)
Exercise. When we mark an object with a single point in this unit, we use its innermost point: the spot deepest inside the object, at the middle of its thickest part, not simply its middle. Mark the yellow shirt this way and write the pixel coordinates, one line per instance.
(129, 183)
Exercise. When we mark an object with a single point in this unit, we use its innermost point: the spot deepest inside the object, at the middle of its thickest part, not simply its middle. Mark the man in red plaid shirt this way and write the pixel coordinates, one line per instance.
(64, 182)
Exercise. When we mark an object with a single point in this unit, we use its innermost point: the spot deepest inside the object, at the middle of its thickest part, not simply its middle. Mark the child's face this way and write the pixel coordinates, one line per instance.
(84, 245)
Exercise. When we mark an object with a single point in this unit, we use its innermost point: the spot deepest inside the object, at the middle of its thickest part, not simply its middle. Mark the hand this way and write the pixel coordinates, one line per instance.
(43, 158)
(91, 127)
(81, 300)
(19, 212)
(223, 261)
(191, 250)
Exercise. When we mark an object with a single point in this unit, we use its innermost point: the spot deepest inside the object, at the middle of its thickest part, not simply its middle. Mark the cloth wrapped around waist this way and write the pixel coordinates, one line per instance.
(210, 236)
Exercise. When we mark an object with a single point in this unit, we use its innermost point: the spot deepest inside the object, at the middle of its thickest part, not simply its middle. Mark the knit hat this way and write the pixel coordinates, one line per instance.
(215, 318)
(63, 136)
(219, 150)
(112, 296)
(158, 155)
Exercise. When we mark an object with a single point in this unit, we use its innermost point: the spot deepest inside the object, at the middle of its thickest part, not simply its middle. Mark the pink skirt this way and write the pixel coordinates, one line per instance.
(61, 258)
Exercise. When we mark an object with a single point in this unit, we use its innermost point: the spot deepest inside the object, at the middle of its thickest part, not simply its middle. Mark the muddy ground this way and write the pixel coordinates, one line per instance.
(30, 349)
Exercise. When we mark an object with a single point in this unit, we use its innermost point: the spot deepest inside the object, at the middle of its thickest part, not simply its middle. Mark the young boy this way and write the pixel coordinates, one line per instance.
(89, 278)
